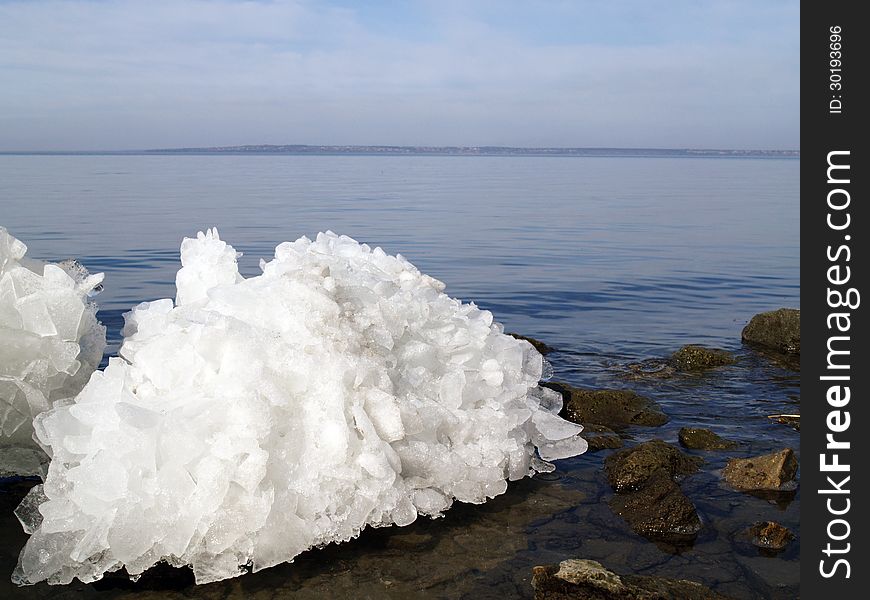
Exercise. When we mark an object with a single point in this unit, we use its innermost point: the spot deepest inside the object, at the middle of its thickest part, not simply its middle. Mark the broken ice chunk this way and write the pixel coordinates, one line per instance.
(50, 339)
(28, 511)
(260, 417)
(34, 315)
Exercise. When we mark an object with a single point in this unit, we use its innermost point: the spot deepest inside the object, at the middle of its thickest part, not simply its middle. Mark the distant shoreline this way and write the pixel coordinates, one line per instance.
(311, 150)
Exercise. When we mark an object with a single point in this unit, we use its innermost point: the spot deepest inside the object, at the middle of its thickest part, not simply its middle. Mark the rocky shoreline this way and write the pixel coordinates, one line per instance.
(645, 477)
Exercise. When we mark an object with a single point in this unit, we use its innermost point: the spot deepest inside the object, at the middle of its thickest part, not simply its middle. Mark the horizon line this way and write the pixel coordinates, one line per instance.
(409, 149)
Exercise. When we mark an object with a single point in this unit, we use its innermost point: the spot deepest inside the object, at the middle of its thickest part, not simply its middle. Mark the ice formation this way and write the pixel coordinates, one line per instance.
(50, 343)
(256, 418)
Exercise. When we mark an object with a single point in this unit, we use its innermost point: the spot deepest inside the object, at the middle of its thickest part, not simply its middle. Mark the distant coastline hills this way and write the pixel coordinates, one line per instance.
(448, 151)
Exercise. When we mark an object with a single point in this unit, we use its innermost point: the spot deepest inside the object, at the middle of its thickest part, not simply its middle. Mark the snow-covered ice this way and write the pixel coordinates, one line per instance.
(50, 343)
(255, 418)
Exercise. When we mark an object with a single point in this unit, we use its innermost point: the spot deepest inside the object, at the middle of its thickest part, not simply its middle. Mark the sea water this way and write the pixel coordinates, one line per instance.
(609, 260)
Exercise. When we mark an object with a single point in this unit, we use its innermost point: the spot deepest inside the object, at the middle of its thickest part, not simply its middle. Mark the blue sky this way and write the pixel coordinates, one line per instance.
(107, 74)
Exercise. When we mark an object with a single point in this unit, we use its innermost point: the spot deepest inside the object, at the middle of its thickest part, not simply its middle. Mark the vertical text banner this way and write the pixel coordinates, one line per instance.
(835, 420)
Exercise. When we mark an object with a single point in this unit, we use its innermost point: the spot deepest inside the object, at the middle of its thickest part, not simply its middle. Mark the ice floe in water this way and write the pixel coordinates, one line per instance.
(255, 418)
(50, 343)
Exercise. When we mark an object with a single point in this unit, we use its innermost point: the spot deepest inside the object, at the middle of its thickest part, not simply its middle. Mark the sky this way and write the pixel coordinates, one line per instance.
(124, 74)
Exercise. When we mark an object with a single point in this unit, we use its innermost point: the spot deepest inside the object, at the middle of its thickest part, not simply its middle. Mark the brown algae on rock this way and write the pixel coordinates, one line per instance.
(778, 330)
(698, 438)
(616, 409)
(698, 358)
(631, 468)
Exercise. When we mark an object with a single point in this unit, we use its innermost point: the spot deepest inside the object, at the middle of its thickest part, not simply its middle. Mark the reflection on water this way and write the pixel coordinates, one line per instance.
(613, 261)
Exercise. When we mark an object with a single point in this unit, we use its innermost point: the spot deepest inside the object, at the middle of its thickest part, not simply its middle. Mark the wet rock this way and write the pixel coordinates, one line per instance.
(769, 535)
(600, 437)
(659, 511)
(779, 498)
(647, 496)
(538, 344)
(767, 472)
(580, 579)
(780, 575)
(410, 541)
(650, 368)
(615, 409)
(697, 438)
(698, 358)
(779, 330)
(632, 468)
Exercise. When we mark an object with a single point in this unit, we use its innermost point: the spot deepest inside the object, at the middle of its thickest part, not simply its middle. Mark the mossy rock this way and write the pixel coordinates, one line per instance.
(632, 468)
(699, 358)
(698, 438)
(778, 330)
(600, 437)
(659, 511)
(616, 409)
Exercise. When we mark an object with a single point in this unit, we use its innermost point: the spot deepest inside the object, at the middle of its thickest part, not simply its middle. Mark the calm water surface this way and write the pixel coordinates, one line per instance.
(610, 260)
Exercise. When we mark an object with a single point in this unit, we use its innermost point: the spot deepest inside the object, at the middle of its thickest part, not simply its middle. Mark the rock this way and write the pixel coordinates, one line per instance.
(780, 575)
(615, 409)
(631, 469)
(575, 572)
(779, 330)
(697, 438)
(647, 496)
(698, 358)
(767, 472)
(650, 368)
(600, 437)
(581, 579)
(410, 541)
(659, 511)
(538, 344)
(769, 535)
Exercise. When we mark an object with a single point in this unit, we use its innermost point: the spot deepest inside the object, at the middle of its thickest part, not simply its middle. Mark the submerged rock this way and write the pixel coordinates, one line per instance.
(50, 343)
(647, 496)
(772, 472)
(600, 437)
(255, 418)
(698, 438)
(631, 468)
(698, 358)
(778, 330)
(582, 579)
(616, 409)
(540, 346)
(659, 511)
(769, 535)
(650, 368)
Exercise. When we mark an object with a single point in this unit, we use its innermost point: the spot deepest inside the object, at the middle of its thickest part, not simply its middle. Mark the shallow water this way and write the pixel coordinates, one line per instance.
(610, 260)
